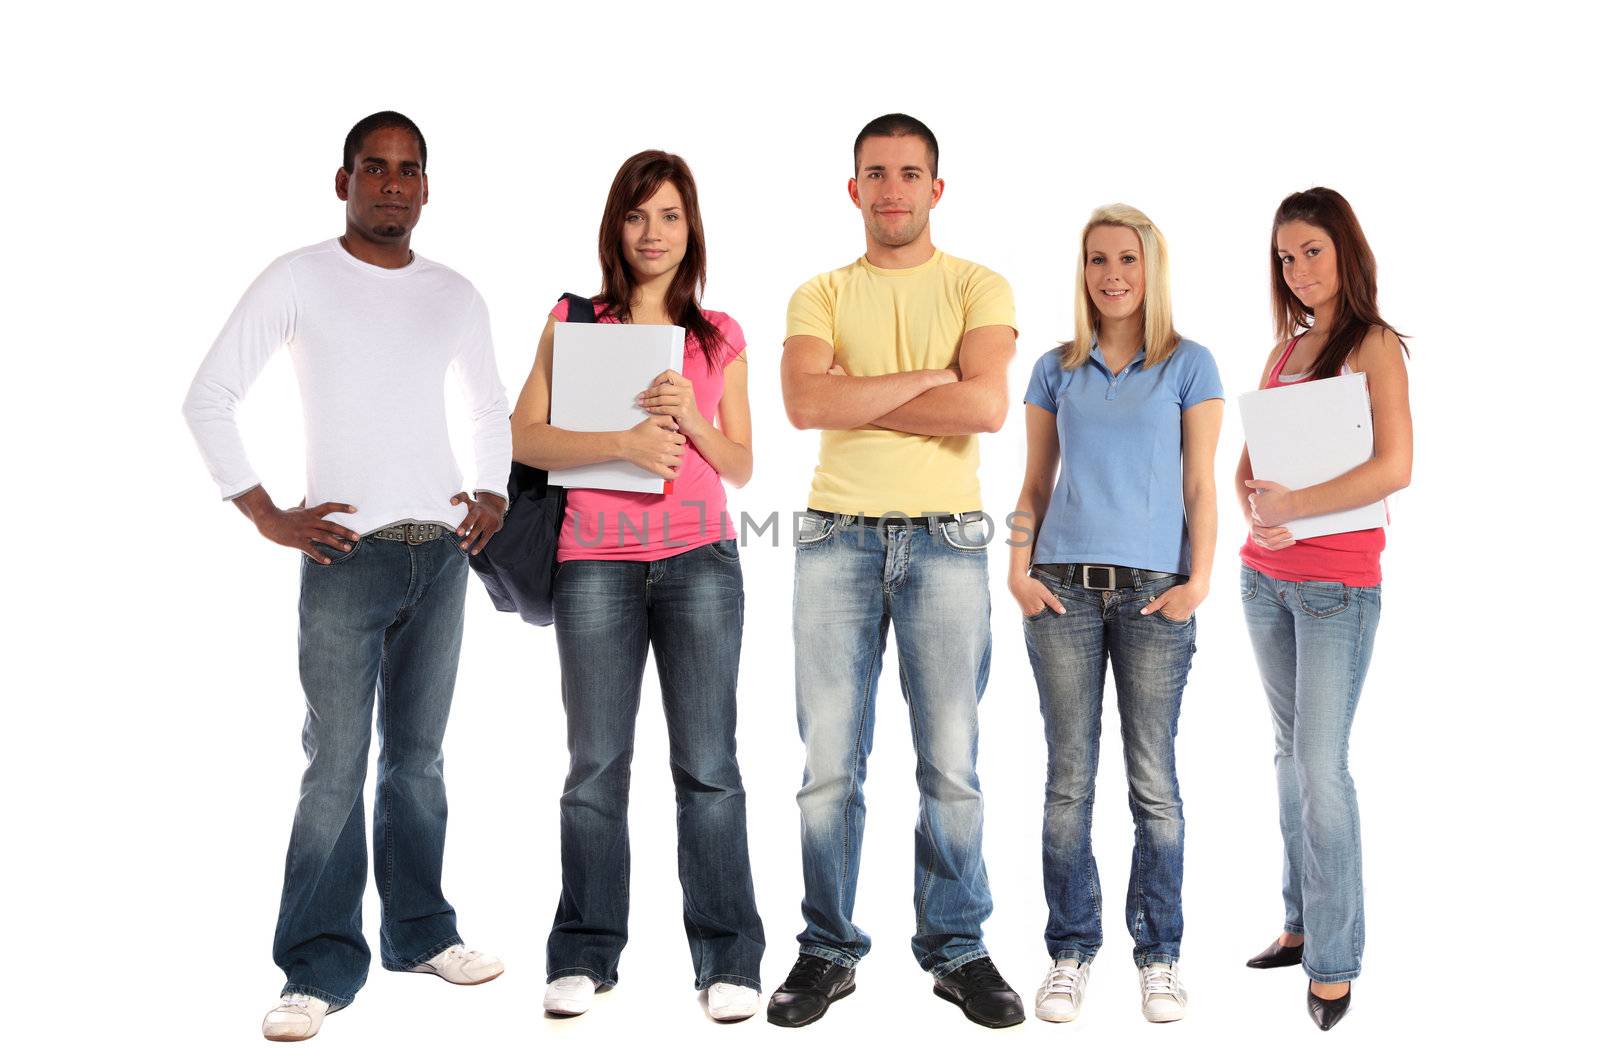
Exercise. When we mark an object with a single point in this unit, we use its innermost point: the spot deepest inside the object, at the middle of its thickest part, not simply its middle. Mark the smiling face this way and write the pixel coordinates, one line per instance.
(1307, 263)
(895, 189)
(385, 192)
(655, 234)
(1113, 271)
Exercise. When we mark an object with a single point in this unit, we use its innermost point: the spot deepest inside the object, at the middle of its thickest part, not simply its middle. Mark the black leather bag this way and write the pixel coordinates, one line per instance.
(517, 565)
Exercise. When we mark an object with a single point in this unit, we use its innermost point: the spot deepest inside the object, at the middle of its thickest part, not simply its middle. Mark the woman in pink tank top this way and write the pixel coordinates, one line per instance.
(1311, 605)
(644, 572)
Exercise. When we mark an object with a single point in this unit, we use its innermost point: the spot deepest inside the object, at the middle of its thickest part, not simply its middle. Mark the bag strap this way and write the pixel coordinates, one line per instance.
(579, 309)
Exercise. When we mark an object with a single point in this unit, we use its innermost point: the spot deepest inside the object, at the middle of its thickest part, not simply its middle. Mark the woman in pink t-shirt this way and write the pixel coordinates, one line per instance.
(637, 572)
(1311, 605)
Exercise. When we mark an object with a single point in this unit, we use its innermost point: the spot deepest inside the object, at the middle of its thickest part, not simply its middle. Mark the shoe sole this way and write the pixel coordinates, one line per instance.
(289, 1037)
(1037, 1015)
(774, 1021)
(953, 1000)
(456, 983)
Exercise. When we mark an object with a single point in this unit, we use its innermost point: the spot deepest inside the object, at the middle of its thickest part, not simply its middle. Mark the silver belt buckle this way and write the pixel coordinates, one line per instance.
(1111, 577)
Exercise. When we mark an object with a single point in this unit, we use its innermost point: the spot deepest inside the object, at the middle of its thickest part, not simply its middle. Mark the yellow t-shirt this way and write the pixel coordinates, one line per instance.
(879, 322)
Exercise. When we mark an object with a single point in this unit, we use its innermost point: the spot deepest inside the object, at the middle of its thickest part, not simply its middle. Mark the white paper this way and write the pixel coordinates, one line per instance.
(597, 372)
(1310, 432)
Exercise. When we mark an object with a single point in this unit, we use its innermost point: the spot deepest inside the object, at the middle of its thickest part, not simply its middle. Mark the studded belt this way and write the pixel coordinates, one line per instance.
(410, 534)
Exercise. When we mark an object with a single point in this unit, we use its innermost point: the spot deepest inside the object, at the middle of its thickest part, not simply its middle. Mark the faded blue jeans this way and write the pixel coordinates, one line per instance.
(852, 582)
(380, 628)
(1313, 643)
(1150, 657)
(689, 609)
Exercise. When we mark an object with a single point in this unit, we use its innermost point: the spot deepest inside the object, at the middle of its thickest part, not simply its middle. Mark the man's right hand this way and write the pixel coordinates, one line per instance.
(656, 445)
(300, 527)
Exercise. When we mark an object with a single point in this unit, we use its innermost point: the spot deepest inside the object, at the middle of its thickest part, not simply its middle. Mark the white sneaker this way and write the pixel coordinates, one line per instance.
(1061, 995)
(460, 965)
(569, 995)
(295, 1018)
(1164, 996)
(731, 1002)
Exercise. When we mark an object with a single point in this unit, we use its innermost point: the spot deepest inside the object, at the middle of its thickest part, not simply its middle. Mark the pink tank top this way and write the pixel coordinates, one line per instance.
(605, 525)
(1350, 558)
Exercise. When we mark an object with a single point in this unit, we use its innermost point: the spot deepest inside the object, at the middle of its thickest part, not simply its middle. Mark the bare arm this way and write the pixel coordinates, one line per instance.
(1038, 480)
(1202, 425)
(654, 444)
(975, 404)
(818, 400)
(1389, 469)
(727, 449)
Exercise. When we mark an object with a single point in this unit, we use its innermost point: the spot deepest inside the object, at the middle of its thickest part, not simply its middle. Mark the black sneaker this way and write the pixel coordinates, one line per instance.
(983, 994)
(811, 986)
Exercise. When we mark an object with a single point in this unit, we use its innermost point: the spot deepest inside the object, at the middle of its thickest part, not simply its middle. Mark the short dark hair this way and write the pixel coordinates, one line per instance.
(892, 124)
(380, 122)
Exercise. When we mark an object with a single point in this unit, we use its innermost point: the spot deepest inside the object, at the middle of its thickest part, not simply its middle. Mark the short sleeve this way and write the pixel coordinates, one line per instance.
(733, 342)
(988, 301)
(559, 310)
(1046, 378)
(1199, 380)
(811, 311)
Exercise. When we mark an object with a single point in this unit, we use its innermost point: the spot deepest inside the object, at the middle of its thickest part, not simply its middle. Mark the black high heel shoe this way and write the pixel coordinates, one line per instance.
(1277, 956)
(1324, 1012)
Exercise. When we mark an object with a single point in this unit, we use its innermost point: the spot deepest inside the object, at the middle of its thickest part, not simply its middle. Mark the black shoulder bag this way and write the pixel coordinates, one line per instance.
(517, 565)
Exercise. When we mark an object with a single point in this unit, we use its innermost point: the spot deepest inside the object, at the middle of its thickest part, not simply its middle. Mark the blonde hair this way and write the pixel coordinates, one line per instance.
(1159, 337)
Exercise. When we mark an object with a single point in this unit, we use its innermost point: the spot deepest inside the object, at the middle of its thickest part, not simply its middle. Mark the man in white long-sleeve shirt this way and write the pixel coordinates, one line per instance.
(385, 529)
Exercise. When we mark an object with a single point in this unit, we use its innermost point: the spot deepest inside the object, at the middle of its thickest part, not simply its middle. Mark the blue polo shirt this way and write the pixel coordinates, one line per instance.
(1119, 499)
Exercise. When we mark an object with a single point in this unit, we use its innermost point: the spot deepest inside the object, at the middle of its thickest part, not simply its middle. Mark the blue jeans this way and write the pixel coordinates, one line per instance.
(690, 609)
(382, 621)
(931, 583)
(1313, 643)
(1150, 657)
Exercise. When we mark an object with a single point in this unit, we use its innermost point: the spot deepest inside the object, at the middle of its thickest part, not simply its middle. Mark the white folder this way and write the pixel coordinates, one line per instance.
(598, 370)
(1310, 432)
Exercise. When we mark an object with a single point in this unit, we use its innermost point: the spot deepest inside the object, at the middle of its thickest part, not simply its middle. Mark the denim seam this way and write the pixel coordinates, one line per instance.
(829, 954)
(1083, 958)
(855, 766)
(578, 970)
(1339, 977)
(922, 817)
(944, 969)
(740, 981)
(334, 1001)
(407, 966)
(386, 892)
(1359, 932)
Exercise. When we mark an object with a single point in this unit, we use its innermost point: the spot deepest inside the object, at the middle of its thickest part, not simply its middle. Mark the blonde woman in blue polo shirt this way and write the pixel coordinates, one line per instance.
(1119, 504)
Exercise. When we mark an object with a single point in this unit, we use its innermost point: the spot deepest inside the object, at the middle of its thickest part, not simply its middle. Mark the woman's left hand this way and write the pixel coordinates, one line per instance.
(1271, 504)
(672, 394)
(1178, 603)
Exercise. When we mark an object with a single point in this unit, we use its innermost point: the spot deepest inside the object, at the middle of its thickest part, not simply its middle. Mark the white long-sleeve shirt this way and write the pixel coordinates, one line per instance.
(371, 347)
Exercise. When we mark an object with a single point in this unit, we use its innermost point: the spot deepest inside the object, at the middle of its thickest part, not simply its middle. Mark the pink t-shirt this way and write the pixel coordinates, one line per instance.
(605, 525)
(1350, 558)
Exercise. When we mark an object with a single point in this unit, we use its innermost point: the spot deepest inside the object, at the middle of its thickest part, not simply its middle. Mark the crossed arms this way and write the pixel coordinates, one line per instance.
(934, 402)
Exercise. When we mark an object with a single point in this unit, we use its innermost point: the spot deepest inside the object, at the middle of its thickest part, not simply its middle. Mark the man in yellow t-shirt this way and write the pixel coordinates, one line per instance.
(900, 359)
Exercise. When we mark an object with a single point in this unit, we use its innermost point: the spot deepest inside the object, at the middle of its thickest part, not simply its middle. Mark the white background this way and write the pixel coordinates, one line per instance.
(157, 158)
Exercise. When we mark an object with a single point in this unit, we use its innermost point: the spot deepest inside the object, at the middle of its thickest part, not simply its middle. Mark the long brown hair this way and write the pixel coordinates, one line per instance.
(1356, 307)
(640, 176)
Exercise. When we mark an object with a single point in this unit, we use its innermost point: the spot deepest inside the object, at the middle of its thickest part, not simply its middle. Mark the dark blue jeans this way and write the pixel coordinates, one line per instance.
(690, 609)
(381, 622)
(1150, 656)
